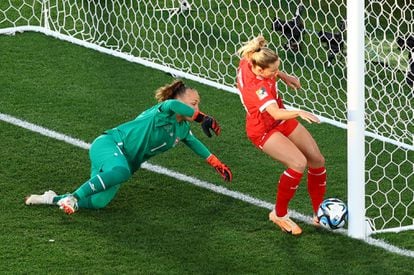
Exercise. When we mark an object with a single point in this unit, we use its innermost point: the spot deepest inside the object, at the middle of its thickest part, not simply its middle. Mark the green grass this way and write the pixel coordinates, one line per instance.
(156, 224)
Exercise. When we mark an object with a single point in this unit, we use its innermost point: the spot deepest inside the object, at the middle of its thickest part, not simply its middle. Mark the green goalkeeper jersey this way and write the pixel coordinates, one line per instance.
(155, 131)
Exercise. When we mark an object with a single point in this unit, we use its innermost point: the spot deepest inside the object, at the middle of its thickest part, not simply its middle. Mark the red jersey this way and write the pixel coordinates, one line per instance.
(256, 93)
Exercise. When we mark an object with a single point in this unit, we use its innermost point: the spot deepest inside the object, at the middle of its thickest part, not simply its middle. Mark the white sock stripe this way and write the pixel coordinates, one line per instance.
(289, 175)
(102, 182)
(319, 174)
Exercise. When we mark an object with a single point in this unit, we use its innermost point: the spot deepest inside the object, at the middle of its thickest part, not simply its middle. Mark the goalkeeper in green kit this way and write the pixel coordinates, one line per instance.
(119, 152)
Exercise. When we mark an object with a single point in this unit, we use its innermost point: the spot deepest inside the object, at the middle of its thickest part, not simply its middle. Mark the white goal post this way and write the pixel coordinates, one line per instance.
(357, 71)
(356, 125)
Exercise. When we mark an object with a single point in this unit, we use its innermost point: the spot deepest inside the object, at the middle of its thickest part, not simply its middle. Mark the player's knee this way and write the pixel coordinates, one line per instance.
(96, 201)
(321, 160)
(317, 161)
(99, 204)
(121, 173)
(299, 164)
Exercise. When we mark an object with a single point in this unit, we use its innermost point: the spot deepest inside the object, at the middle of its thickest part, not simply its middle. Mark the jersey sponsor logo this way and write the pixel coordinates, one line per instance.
(92, 186)
(261, 93)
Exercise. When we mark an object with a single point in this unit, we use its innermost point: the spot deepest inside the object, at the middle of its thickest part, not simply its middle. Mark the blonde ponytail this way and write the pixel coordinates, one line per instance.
(252, 46)
(258, 53)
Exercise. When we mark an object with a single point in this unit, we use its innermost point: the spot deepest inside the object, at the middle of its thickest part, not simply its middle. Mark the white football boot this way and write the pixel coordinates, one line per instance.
(45, 198)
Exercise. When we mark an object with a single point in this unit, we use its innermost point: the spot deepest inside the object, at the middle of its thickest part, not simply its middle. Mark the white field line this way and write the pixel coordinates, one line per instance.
(200, 183)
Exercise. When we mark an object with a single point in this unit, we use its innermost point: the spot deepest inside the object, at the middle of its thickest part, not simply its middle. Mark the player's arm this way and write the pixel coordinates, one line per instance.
(283, 114)
(291, 81)
(207, 122)
(200, 149)
(174, 106)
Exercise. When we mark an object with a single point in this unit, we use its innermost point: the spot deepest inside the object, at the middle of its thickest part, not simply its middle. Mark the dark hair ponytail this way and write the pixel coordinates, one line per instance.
(170, 91)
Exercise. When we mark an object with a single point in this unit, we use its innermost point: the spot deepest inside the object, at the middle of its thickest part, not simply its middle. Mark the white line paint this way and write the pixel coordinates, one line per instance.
(43, 131)
(203, 184)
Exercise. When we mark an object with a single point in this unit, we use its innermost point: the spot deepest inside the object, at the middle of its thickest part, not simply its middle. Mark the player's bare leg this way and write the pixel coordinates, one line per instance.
(282, 149)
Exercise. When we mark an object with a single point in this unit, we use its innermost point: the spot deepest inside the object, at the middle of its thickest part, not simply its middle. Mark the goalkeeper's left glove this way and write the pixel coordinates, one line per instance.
(220, 167)
(207, 123)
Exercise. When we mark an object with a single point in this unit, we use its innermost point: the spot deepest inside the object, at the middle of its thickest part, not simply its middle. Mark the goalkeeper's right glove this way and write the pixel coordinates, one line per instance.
(207, 123)
(220, 167)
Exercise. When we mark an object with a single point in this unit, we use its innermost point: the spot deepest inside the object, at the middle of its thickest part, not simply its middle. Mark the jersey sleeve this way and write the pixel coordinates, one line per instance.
(196, 145)
(174, 106)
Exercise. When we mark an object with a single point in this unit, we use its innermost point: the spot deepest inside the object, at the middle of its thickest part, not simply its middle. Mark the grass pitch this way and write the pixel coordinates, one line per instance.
(156, 224)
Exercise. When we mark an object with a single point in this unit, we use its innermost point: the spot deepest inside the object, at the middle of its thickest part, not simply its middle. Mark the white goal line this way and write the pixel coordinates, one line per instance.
(197, 182)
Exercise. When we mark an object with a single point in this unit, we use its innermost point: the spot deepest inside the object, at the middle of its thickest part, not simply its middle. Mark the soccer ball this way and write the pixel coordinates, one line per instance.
(332, 213)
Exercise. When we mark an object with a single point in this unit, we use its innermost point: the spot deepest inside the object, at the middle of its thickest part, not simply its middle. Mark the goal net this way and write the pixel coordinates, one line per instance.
(198, 39)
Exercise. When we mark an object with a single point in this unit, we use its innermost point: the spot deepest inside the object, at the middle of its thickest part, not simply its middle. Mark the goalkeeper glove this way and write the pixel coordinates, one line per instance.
(220, 167)
(207, 123)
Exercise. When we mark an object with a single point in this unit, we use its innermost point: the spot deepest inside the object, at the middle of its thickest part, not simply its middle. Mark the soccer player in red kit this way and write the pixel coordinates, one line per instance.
(277, 132)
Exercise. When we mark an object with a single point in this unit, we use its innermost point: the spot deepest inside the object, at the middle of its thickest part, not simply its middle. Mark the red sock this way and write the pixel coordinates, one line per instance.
(316, 186)
(288, 183)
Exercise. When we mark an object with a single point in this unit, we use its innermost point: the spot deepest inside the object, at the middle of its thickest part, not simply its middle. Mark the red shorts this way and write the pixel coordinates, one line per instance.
(286, 128)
